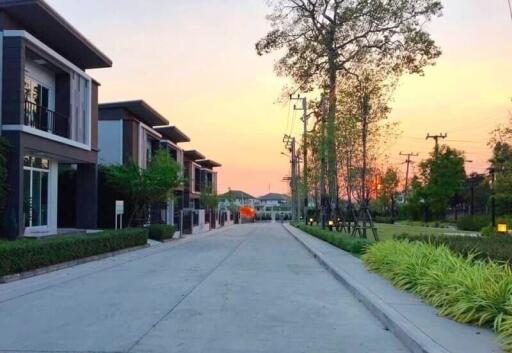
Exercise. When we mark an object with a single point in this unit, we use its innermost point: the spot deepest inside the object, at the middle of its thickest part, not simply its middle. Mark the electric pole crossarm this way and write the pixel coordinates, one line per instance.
(436, 139)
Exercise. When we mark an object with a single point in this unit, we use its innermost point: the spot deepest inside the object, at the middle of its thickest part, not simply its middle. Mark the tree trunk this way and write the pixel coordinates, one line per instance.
(322, 171)
(364, 123)
(330, 138)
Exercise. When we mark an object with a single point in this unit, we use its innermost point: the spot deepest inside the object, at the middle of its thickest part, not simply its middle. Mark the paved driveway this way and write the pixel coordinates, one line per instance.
(249, 288)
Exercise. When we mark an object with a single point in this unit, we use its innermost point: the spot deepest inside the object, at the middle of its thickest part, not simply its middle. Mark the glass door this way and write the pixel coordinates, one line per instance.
(37, 100)
(36, 178)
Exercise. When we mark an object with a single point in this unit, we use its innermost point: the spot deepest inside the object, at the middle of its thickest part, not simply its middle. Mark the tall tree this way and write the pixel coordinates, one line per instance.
(443, 178)
(388, 190)
(323, 38)
(362, 127)
(143, 187)
(501, 162)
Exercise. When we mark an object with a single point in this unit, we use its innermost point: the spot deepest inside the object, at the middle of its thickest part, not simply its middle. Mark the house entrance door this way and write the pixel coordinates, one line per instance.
(36, 184)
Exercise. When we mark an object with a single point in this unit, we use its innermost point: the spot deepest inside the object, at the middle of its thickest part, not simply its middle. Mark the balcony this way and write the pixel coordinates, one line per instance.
(42, 118)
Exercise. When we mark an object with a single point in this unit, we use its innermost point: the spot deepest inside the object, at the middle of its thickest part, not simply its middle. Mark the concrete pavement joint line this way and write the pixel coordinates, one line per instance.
(411, 336)
(197, 285)
(151, 252)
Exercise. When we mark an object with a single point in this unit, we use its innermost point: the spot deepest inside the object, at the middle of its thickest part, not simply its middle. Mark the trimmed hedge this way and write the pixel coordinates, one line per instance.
(460, 287)
(473, 223)
(497, 247)
(161, 231)
(341, 240)
(384, 219)
(26, 255)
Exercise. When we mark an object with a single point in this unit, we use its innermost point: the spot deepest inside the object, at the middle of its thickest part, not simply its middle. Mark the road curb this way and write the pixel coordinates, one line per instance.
(413, 338)
(64, 265)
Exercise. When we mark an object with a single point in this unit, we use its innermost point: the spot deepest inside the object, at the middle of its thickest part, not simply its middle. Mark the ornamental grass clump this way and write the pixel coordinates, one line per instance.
(461, 287)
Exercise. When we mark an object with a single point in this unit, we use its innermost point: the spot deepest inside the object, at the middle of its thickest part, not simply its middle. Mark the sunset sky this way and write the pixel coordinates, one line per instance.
(194, 61)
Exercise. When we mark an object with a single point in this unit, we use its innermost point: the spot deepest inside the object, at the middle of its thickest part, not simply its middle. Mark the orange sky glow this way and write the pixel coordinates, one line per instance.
(194, 61)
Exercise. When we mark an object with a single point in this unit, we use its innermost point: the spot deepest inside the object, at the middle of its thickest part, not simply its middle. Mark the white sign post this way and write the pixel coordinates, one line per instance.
(119, 213)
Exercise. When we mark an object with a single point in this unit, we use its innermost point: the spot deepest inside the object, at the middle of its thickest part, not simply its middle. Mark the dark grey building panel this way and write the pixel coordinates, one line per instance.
(13, 224)
(12, 79)
(62, 152)
(7, 22)
(130, 141)
(112, 114)
(86, 202)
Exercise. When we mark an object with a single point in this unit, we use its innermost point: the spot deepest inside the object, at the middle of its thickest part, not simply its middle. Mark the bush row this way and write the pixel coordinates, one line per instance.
(341, 240)
(25, 255)
(496, 247)
(462, 288)
(161, 232)
(384, 219)
(473, 223)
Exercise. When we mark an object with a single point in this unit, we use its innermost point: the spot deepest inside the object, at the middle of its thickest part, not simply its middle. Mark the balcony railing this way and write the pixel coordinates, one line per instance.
(42, 118)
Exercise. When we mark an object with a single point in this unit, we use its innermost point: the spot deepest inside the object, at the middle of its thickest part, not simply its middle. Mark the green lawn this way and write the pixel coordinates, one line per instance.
(387, 231)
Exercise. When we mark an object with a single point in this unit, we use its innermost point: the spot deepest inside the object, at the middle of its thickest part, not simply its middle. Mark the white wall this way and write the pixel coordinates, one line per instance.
(110, 139)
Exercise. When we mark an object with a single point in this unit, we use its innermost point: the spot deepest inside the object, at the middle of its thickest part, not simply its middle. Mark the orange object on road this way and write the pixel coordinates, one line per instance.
(247, 212)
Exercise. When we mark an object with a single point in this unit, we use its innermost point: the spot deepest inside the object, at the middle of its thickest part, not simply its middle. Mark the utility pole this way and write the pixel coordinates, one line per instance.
(408, 161)
(290, 144)
(305, 171)
(436, 139)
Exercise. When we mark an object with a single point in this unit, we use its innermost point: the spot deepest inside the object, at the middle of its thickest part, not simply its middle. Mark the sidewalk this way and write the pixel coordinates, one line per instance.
(416, 324)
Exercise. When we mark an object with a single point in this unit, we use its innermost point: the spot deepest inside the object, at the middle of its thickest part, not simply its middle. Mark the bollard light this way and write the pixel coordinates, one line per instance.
(331, 224)
(311, 221)
(502, 228)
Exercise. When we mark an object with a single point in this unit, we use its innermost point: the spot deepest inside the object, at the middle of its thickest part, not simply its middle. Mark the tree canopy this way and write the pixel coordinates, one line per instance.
(143, 187)
(441, 179)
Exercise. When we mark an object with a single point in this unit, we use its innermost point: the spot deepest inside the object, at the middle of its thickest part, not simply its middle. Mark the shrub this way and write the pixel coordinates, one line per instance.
(25, 255)
(462, 288)
(488, 231)
(473, 223)
(161, 231)
(493, 247)
(343, 241)
(386, 220)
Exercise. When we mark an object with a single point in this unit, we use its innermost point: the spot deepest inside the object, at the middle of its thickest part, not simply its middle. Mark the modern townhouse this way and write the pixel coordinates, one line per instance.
(126, 134)
(193, 216)
(49, 115)
(200, 176)
(209, 185)
(170, 213)
(134, 131)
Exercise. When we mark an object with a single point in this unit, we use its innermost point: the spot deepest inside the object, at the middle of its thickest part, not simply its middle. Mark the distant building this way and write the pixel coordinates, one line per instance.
(273, 206)
(274, 199)
(237, 198)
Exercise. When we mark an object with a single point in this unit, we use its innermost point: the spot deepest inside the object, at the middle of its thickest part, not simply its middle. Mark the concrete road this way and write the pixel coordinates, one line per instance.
(249, 289)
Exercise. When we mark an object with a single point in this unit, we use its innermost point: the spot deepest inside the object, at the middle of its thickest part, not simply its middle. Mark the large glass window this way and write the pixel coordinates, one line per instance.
(36, 177)
(37, 100)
